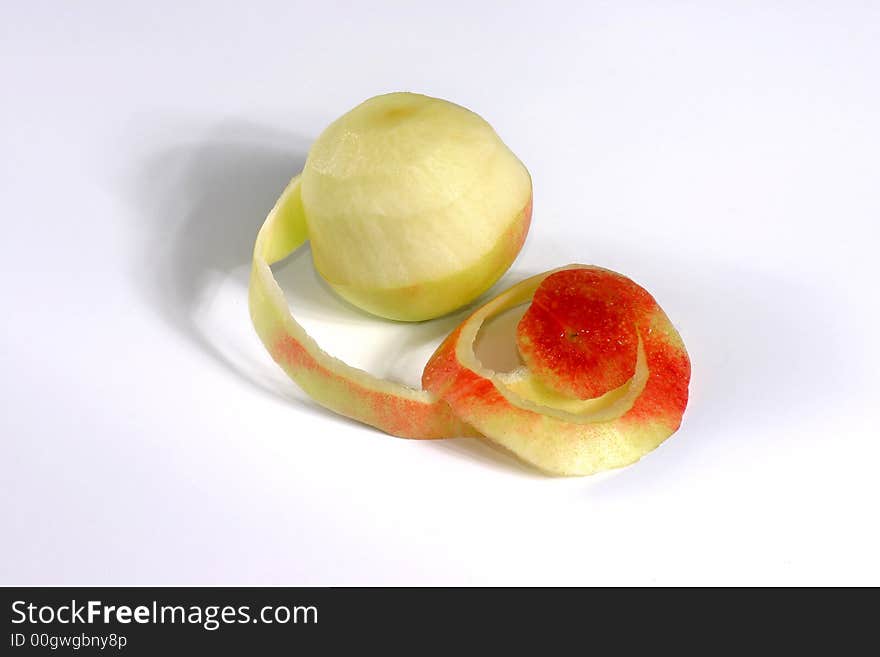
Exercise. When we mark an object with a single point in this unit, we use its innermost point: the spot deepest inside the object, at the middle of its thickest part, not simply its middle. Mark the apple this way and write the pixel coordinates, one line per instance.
(414, 206)
(604, 380)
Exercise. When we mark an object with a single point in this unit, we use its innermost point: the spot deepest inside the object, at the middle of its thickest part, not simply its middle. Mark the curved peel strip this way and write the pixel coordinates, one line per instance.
(575, 408)
(545, 427)
(391, 407)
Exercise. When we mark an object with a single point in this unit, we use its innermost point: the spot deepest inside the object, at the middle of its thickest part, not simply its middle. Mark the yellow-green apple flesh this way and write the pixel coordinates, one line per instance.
(414, 206)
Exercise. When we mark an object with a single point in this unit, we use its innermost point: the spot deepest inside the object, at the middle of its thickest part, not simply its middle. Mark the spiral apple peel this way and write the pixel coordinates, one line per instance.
(559, 432)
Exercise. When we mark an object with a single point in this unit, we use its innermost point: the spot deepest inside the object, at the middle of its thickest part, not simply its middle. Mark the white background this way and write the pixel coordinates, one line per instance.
(724, 155)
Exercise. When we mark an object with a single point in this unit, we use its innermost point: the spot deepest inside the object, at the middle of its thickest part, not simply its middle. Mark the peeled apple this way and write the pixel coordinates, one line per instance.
(413, 205)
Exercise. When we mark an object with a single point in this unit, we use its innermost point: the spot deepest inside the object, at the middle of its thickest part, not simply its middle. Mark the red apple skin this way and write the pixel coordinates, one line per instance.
(564, 447)
(393, 414)
(579, 336)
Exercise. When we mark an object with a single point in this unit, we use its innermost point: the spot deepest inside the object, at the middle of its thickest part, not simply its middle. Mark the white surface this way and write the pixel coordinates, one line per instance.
(726, 156)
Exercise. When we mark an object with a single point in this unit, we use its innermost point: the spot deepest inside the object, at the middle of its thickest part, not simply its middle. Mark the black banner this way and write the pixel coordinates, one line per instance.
(153, 621)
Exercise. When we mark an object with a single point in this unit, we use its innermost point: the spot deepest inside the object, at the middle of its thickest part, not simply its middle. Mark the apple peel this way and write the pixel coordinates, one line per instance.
(392, 407)
(549, 425)
(560, 412)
